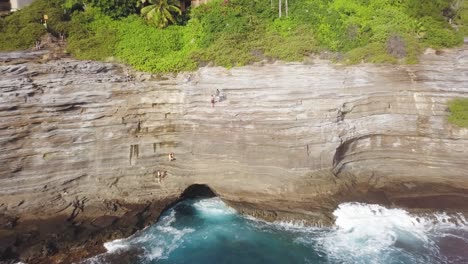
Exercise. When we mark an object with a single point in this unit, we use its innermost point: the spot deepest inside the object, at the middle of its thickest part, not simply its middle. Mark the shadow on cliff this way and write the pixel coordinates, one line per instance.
(340, 155)
(198, 191)
(194, 191)
(346, 149)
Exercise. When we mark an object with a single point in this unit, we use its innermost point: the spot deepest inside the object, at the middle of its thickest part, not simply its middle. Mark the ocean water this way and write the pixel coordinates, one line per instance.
(199, 231)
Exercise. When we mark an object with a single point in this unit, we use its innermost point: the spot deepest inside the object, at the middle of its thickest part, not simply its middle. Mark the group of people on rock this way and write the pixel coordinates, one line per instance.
(161, 174)
(217, 97)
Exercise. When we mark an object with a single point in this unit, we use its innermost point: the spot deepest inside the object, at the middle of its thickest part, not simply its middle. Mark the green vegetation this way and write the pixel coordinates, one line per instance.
(462, 16)
(237, 32)
(115, 8)
(151, 49)
(94, 35)
(21, 29)
(459, 112)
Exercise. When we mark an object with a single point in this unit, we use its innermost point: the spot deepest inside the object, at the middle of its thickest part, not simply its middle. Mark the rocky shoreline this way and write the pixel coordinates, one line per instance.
(59, 239)
(62, 239)
(83, 144)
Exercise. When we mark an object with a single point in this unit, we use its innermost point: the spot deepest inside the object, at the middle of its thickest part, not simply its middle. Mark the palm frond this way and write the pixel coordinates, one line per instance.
(168, 15)
(174, 9)
(160, 12)
(145, 10)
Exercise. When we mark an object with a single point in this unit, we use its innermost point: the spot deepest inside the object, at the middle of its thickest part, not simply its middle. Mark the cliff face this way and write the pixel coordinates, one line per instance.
(77, 137)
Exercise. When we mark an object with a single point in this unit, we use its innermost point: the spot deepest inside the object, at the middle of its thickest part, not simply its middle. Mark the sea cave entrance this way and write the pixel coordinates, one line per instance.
(198, 191)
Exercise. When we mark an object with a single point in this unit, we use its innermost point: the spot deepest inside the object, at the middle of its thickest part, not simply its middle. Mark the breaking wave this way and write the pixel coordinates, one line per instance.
(369, 233)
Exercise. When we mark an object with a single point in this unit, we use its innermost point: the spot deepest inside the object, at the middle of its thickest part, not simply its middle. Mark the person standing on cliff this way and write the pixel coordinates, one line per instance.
(212, 101)
(159, 176)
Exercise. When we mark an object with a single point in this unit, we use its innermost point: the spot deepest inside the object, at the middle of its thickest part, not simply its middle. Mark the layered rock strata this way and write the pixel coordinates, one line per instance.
(84, 142)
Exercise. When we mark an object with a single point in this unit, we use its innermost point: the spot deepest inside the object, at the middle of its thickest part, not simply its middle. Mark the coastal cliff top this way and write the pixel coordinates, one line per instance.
(236, 32)
(85, 148)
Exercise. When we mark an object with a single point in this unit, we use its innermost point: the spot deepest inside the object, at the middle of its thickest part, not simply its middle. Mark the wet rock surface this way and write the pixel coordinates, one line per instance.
(84, 146)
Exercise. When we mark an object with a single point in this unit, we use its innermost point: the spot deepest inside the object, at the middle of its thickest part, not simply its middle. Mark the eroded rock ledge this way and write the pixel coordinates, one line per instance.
(81, 144)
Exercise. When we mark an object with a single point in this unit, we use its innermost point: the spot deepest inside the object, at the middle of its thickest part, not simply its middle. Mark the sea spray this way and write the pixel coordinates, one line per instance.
(213, 207)
(370, 233)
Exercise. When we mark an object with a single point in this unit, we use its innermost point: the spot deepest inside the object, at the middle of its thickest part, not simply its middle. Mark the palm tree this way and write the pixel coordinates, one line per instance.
(280, 7)
(287, 7)
(160, 12)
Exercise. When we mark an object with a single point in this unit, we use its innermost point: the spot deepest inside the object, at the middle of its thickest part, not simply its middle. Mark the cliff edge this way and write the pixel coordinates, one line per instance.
(85, 144)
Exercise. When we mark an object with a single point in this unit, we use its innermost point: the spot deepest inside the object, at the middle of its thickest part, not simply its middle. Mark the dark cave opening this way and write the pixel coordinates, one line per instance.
(198, 191)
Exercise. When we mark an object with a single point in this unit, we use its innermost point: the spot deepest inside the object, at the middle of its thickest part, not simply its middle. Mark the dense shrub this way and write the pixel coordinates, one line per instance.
(228, 50)
(373, 52)
(115, 8)
(462, 18)
(237, 32)
(413, 49)
(439, 35)
(21, 29)
(94, 35)
(218, 19)
(288, 44)
(424, 8)
(156, 50)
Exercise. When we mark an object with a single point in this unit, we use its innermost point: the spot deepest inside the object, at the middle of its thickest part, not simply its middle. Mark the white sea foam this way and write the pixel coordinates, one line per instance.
(155, 253)
(163, 238)
(116, 245)
(291, 225)
(369, 229)
(213, 207)
(298, 227)
(157, 241)
(371, 232)
(93, 260)
(168, 219)
(125, 243)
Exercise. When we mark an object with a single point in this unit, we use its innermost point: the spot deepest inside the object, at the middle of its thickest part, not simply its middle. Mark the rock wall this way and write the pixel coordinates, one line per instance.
(288, 139)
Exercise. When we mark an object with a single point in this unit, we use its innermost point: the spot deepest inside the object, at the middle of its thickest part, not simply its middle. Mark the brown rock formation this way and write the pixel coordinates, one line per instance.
(81, 144)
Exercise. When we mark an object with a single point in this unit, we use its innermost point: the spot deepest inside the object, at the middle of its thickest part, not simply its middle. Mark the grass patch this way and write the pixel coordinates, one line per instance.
(459, 112)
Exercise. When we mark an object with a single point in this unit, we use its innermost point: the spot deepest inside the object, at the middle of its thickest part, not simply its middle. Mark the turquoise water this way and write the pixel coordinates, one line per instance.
(207, 231)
